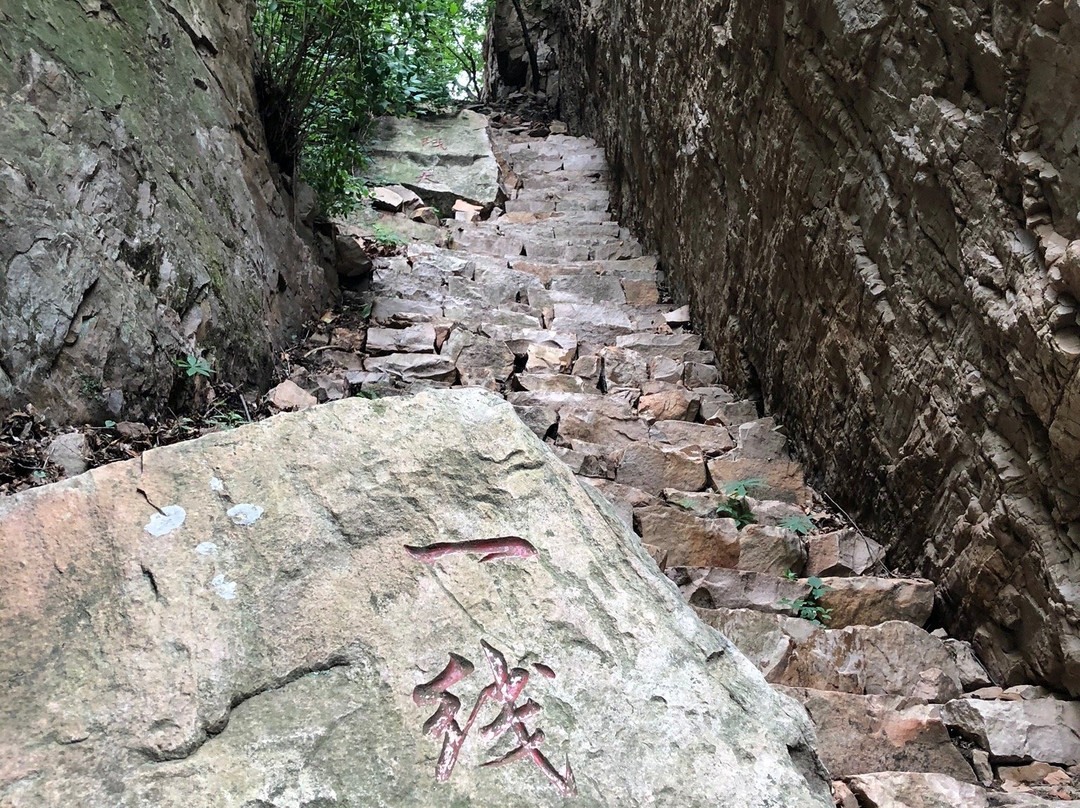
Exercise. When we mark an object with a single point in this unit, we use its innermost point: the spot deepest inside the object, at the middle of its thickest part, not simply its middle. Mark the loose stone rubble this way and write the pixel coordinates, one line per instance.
(555, 306)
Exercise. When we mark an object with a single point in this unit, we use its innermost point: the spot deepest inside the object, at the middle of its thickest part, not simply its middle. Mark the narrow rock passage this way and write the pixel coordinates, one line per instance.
(553, 304)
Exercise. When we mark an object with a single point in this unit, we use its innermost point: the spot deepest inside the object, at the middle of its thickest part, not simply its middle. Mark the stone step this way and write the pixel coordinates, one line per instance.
(565, 225)
(528, 164)
(915, 790)
(551, 215)
(853, 601)
(1013, 728)
(862, 734)
(557, 249)
(686, 540)
(894, 658)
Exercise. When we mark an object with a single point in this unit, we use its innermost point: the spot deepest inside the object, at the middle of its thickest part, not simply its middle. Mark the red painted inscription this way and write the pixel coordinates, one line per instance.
(487, 549)
(507, 686)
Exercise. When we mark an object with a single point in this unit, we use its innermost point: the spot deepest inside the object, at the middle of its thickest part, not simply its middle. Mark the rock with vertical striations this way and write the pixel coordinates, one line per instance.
(893, 257)
(139, 211)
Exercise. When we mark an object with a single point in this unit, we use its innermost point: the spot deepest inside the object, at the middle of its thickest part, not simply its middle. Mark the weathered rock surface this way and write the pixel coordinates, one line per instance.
(139, 217)
(911, 790)
(440, 159)
(842, 552)
(894, 658)
(1043, 729)
(853, 601)
(869, 601)
(872, 209)
(860, 734)
(261, 633)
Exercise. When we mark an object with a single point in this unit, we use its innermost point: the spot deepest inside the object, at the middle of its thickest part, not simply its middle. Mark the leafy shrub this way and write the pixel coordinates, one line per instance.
(736, 507)
(325, 69)
(194, 366)
(742, 488)
(809, 607)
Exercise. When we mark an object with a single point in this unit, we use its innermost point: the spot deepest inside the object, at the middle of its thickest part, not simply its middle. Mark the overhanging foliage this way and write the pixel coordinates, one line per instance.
(325, 69)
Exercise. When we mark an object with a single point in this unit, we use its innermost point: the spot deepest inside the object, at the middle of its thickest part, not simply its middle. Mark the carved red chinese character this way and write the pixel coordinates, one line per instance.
(487, 549)
(506, 688)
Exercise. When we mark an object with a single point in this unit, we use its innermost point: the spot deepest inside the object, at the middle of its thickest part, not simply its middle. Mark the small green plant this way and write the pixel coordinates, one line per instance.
(225, 419)
(809, 607)
(736, 507)
(742, 488)
(89, 386)
(801, 524)
(385, 237)
(194, 366)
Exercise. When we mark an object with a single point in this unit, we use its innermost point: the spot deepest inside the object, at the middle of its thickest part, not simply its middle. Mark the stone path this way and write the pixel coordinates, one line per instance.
(554, 305)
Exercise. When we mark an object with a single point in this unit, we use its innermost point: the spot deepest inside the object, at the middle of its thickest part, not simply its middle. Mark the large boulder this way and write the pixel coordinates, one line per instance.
(361, 604)
(140, 219)
(443, 159)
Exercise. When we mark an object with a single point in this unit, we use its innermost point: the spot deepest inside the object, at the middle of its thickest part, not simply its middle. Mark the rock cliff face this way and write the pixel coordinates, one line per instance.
(872, 209)
(138, 216)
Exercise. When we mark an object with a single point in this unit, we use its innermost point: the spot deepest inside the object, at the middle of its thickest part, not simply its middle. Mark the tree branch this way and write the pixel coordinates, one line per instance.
(533, 64)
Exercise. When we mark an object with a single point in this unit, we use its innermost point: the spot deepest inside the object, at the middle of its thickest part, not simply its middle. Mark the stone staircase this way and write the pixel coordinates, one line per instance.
(554, 305)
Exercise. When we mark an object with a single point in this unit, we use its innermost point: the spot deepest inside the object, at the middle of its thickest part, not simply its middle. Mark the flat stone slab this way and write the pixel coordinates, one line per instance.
(1043, 729)
(864, 734)
(326, 607)
(894, 658)
(441, 159)
(915, 790)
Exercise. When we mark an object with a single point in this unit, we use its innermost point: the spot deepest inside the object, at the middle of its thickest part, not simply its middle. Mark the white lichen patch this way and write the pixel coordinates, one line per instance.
(225, 589)
(244, 514)
(217, 485)
(168, 520)
(207, 548)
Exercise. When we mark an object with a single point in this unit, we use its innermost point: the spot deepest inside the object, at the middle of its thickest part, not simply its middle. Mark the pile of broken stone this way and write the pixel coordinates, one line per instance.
(546, 300)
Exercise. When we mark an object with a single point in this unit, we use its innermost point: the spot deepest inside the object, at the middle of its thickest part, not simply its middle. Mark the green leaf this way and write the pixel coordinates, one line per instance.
(801, 524)
(740, 488)
(194, 366)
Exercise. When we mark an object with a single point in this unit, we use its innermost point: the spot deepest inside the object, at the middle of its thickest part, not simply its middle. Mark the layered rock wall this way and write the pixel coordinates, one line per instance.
(872, 209)
(139, 220)
(508, 66)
